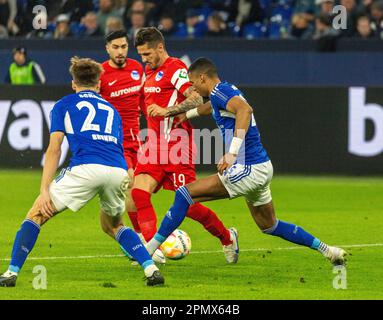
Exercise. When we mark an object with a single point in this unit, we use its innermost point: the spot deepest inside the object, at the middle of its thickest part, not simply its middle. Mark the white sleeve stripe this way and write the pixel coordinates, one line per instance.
(218, 91)
(39, 72)
(180, 83)
(176, 76)
(173, 99)
(68, 124)
(226, 114)
(221, 95)
(143, 79)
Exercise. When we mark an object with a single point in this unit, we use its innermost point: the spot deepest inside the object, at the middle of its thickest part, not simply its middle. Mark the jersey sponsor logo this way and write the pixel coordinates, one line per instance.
(135, 75)
(152, 89)
(112, 83)
(159, 75)
(125, 91)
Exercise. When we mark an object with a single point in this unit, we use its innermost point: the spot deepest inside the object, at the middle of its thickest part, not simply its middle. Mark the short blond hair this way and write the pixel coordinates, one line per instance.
(85, 71)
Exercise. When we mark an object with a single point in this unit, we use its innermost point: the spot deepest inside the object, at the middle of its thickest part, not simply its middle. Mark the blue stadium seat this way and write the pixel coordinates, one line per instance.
(265, 4)
(181, 30)
(206, 11)
(255, 30)
(199, 30)
(51, 27)
(277, 30)
(280, 19)
(77, 29)
(234, 29)
(284, 10)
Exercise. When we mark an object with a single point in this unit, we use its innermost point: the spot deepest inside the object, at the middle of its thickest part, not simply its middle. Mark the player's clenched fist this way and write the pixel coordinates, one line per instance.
(179, 119)
(226, 162)
(155, 110)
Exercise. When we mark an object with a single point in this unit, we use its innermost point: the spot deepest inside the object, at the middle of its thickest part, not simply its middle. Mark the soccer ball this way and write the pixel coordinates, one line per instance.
(177, 245)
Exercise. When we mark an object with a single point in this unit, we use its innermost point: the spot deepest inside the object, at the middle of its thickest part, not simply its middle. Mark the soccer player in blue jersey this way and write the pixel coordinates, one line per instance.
(245, 170)
(97, 167)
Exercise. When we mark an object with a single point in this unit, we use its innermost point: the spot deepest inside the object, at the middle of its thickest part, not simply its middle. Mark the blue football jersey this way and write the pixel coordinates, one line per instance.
(93, 128)
(251, 151)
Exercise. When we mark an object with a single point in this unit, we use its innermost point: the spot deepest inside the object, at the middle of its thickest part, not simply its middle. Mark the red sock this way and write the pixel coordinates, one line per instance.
(134, 221)
(146, 215)
(210, 221)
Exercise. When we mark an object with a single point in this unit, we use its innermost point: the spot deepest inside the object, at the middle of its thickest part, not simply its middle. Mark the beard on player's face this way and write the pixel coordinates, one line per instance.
(119, 60)
(154, 62)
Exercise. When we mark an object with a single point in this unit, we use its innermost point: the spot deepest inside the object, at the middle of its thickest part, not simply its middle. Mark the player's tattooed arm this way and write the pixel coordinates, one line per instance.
(202, 110)
(193, 100)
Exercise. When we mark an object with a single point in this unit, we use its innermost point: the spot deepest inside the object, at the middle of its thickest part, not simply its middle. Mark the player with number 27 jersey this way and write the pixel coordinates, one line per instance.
(93, 128)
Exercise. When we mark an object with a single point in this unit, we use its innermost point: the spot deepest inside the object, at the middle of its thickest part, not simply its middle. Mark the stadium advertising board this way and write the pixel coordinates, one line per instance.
(305, 130)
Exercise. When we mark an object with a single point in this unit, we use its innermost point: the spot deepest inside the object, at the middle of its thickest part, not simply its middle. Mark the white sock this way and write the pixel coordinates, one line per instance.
(149, 270)
(152, 246)
(9, 273)
(323, 248)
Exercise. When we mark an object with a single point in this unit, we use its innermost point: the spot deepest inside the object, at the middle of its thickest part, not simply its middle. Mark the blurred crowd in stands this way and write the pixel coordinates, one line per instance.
(249, 19)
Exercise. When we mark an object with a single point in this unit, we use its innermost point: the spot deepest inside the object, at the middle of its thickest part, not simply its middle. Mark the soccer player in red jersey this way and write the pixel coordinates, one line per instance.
(121, 84)
(167, 86)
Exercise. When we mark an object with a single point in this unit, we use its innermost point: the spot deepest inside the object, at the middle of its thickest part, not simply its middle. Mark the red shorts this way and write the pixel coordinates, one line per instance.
(130, 153)
(169, 176)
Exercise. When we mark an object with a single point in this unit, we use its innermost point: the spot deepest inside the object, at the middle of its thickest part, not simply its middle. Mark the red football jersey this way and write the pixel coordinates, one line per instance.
(165, 86)
(122, 88)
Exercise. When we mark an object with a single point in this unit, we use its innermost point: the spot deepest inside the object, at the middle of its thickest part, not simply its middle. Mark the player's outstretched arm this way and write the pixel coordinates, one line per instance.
(193, 100)
(52, 158)
(202, 110)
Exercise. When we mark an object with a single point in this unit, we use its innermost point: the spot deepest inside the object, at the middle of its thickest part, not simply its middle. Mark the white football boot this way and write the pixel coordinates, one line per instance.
(231, 251)
(335, 255)
(159, 257)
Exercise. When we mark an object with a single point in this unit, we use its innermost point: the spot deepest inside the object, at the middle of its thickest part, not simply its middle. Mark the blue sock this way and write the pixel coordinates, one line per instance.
(25, 240)
(293, 233)
(175, 215)
(131, 243)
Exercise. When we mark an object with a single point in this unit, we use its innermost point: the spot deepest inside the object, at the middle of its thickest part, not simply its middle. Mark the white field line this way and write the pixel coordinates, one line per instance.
(198, 252)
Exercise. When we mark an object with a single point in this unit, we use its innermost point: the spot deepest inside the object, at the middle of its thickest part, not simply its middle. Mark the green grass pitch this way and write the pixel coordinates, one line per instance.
(84, 263)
